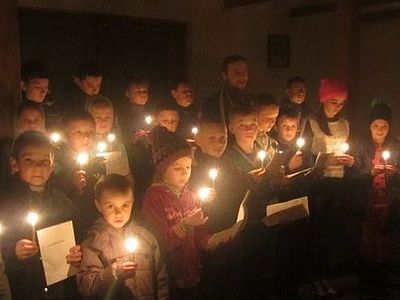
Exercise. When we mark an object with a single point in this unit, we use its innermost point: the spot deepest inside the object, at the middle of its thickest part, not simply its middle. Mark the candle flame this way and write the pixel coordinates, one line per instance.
(213, 173)
(344, 147)
(111, 137)
(148, 120)
(195, 130)
(82, 158)
(262, 155)
(204, 193)
(300, 142)
(32, 218)
(385, 155)
(101, 147)
(131, 244)
(55, 137)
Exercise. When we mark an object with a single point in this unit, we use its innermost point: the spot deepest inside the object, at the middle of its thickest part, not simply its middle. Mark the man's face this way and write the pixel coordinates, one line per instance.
(237, 75)
(183, 94)
(104, 118)
(138, 94)
(36, 89)
(297, 92)
(34, 165)
(287, 128)
(244, 128)
(81, 135)
(178, 173)
(90, 85)
(266, 117)
(168, 119)
(30, 119)
(212, 139)
(115, 208)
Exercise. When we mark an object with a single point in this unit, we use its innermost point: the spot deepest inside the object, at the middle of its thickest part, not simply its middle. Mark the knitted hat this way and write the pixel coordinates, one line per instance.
(167, 147)
(380, 111)
(332, 89)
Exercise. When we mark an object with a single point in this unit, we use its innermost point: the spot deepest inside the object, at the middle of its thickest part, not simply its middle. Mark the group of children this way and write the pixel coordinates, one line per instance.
(138, 171)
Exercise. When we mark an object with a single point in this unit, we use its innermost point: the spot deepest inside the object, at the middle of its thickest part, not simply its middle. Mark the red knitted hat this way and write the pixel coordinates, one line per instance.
(332, 89)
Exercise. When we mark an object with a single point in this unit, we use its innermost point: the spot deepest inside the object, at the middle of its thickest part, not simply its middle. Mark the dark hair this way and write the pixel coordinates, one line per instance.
(265, 99)
(29, 105)
(113, 183)
(88, 69)
(244, 110)
(209, 120)
(176, 83)
(30, 138)
(135, 80)
(33, 70)
(295, 79)
(165, 105)
(100, 101)
(322, 120)
(229, 60)
(288, 113)
(76, 116)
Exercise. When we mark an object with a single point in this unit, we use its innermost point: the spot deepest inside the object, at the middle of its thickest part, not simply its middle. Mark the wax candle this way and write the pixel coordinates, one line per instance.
(213, 174)
(32, 219)
(262, 154)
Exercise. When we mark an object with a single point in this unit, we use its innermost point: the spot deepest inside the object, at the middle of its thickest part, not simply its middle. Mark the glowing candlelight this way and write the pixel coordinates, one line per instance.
(1, 228)
(131, 244)
(344, 147)
(195, 130)
(385, 155)
(101, 148)
(262, 154)
(111, 137)
(213, 174)
(82, 158)
(148, 120)
(300, 143)
(204, 193)
(55, 137)
(32, 219)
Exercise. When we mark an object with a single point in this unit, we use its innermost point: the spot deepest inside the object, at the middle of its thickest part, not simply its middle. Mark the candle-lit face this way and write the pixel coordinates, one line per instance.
(287, 128)
(115, 207)
(244, 128)
(237, 74)
(90, 85)
(183, 94)
(297, 92)
(212, 139)
(30, 119)
(177, 174)
(138, 94)
(168, 119)
(34, 165)
(379, 129)
(104, 118)
(333, 106)
(36, 89)
(267, 117)
(81, 135)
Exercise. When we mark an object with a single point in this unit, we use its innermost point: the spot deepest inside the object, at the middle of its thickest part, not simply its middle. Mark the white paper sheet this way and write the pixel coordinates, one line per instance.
(54, 243)
(288, 211)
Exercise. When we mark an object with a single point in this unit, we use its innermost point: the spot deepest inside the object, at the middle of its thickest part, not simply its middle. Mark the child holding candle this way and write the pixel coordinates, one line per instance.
(107, 268)
(31, 189)
(381, 182)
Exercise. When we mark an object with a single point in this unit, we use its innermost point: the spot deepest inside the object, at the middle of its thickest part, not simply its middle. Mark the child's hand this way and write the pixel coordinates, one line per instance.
(194, 218)
(390, 169)
(256, 174)
(25, 249)
(344, 160)
(125, 270)
(74, 257)
(296, 161)
(79, 180)
(377, 169)
(140, 134)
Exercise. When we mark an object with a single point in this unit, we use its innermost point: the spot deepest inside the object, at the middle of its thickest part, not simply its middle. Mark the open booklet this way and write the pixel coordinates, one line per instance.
(321, 162)
(286, 212)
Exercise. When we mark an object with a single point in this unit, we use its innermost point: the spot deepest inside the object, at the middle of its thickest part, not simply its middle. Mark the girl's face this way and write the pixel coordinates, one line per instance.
(333, 106)
(379, 129)
(178, 173)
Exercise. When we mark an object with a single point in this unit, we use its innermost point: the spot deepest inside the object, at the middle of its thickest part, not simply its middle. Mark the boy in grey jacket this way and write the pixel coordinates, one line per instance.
(108, 268)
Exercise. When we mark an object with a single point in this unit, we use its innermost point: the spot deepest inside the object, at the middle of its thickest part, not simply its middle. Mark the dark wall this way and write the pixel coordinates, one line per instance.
(121, 45)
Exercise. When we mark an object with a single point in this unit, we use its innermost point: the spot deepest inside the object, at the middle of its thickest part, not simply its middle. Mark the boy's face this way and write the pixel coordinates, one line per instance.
(212, 139)
(237, 75)
(104, 118)
(287, 129)
(297, 92)
(81, 135)
(183, 95)
(168, 119)
(30, 119)
(244, 128)
(178, 173)
(115, 208)
(138, 94)
(267, 117)
(34, 165)
(379, 129)
(36, 89)
(90, 85)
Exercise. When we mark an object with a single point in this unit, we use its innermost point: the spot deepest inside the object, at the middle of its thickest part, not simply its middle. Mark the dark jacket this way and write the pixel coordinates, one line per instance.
(187, 120)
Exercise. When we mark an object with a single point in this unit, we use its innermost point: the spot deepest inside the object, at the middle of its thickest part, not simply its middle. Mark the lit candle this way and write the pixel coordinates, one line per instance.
(131, 245)
(344, 147)
(32, 219)
(55, 137)
(213, 173)
(195, 130)
(1, 228)
(300, 143)
(111, 137)
(385, 155)
(262, 154)
(148, 120)
(82, 159)
(204, 193)
(101, 148)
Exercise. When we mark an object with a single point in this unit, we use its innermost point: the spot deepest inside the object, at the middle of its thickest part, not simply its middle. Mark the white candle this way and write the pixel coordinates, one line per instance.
(195, 130)
(204, 193)
(213, 174)
(344, 147)
(131, 245)
(32, 219)
(300, 143)
(82, 158)
(385, 155)
(55, 137)
(1, 228)
(111, 137)
(262, 154)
